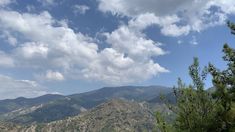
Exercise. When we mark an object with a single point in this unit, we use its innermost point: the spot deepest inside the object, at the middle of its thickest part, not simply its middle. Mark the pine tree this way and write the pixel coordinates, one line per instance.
(199, 110)
(195, 107)
(224, 84)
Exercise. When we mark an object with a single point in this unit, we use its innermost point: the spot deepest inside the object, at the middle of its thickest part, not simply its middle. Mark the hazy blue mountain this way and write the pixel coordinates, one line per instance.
(169, 97)
(54, 107)
(9, 105)
(137, 93)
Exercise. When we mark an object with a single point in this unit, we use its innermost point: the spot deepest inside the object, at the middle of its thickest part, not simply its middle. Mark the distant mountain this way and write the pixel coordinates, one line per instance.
(137, 93)
(9, 105)
(51, 111)
(169, 97)
(114, 115)
(57, 107)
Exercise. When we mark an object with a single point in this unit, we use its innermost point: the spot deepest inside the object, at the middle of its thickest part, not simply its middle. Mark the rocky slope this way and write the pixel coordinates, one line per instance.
(115, 115)
(54, 107)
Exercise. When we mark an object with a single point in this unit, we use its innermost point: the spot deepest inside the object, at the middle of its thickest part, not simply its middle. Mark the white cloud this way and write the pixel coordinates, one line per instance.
(32, 50)
(167, 24)
(12, 40)
(133, 43)
(53, 46)
(136, 7)
(226, 6)
(9, 38)
(131, 54)
(11, 88)
(56, 76)
(113, 67)
(80, 9)
(5, 2)
(174, 30)
(194, 40)
(6, 60)
(193, 15)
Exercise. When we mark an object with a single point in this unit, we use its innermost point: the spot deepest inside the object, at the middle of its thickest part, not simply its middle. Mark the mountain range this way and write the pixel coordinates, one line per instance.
(113, 115)
(102, 105)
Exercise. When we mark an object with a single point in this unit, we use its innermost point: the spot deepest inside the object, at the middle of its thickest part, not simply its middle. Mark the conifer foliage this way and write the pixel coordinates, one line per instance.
(201, 110)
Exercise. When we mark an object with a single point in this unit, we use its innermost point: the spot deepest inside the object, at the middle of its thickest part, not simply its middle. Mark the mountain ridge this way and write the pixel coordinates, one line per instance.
(113, 115)
(72, 105)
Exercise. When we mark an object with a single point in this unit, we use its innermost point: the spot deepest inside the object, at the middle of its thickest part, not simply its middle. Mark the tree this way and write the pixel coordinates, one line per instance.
(224, 84)
(195, 108)
(200, 110)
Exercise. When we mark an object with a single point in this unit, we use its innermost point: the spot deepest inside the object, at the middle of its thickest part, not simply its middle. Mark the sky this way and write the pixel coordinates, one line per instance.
(74, 46)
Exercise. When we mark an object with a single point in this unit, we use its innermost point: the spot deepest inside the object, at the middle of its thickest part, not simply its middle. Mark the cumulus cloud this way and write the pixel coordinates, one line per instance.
(6, 60)
(50, 76)
(5, 2)
(11, 88)
(32, 50)
(50, 45)
(80, 9)
(193, 15)
(9, 38)
(121, 64)
(114, 68)
(136, 7)
(174, 30)
(130, 56)
(167, 24)
(133, 43)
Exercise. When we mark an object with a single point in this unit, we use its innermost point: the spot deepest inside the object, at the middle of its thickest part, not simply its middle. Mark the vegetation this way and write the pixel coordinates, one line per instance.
(201, 110)
(116, 115)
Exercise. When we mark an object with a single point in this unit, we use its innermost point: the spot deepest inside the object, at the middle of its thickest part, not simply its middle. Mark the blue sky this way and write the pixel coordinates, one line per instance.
(73, 46)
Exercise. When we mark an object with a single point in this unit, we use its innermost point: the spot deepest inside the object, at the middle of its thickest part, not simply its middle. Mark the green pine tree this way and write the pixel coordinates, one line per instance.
(224, 84)
(200, 110)
(195, 108)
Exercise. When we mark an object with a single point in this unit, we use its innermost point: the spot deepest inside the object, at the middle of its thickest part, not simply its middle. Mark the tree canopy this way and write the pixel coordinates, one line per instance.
(198, 109)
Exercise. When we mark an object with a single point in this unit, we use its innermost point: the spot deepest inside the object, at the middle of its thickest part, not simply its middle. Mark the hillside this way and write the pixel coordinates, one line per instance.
(67, 106)
(114, 115)
(9, 105)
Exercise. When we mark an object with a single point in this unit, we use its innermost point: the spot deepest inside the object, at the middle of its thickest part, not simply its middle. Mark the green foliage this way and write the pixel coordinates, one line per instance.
(199, 110)
(162, 125)
(224, 83)
(195, 108)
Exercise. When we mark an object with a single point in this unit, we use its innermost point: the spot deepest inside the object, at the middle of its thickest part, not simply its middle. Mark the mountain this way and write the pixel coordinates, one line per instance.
(51, 111)
(67, 106)
(169, 97)
(137, 93)
(114, 115)
(8, 105)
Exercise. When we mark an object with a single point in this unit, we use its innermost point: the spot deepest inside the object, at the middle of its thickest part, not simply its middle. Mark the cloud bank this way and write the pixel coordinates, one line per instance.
(50, 45)
(183, 16)
(11, 88)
